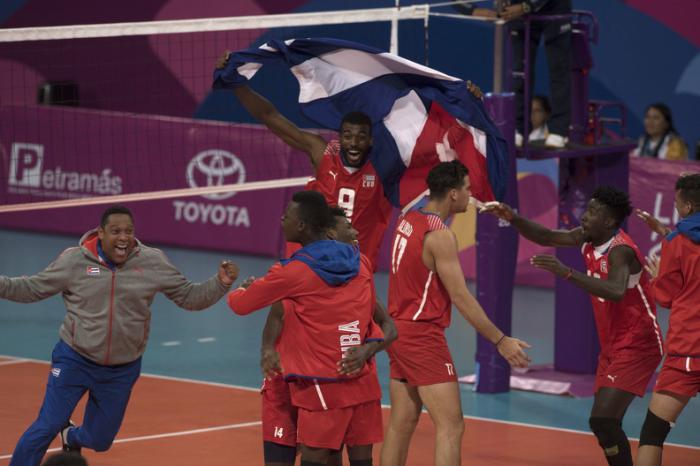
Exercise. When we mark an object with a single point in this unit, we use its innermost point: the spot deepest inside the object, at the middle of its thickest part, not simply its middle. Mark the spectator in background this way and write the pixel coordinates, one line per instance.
(557, 46)
(660, 140)
(540, 111)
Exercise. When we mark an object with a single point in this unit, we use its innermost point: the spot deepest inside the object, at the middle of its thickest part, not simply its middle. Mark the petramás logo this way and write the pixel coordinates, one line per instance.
(215, 167)
(29, 175)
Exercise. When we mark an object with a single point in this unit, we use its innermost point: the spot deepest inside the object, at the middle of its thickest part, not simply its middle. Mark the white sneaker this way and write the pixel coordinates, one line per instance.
(518, 139)
(556, 141)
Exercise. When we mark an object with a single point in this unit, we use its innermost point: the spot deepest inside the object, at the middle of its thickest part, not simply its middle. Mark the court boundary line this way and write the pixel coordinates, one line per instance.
(465, 416)
(140, 438)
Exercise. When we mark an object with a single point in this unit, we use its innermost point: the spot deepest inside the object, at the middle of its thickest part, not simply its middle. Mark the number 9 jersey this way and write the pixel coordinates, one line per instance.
(359, 192)
(416, 292)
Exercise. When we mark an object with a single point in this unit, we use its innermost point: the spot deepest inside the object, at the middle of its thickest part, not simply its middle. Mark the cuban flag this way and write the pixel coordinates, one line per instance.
(420, 116)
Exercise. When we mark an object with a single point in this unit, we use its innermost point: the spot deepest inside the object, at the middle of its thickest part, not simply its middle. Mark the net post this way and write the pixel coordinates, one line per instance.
(497, 251)
(394, 40)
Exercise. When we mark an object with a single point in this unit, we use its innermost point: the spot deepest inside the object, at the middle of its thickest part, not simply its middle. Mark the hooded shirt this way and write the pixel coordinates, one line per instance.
(677, 287)
(328, 295)
(108, 313)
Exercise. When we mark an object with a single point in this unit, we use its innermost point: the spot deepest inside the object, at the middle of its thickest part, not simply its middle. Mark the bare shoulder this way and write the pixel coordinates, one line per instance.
(440, 242)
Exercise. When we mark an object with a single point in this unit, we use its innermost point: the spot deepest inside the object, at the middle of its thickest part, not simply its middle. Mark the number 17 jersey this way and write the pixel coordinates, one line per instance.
(416, 292)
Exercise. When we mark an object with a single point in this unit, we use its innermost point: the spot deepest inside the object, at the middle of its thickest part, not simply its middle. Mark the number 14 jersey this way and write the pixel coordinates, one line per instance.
(416, 292)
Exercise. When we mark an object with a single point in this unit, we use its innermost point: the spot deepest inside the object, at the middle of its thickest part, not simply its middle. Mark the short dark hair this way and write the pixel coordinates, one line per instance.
(314, 210)
(617, 202)
(65, 459)
(357, 118)
(689, 187)
(115, 209)
(336, 211)
(544, 102)
(446, 176)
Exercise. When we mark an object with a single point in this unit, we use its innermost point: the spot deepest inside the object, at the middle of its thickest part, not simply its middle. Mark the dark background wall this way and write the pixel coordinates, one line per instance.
(648, 51)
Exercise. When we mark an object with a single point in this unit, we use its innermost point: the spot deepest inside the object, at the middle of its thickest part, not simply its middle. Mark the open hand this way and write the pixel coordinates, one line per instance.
(549, 263)
(512, 12)
(652, 265)
(354, 360)
(248, 281)
(484, 13)
(222, 61)
(475, 90)
(499, 209)
(652, 222)
(270, 363)
(513, 351)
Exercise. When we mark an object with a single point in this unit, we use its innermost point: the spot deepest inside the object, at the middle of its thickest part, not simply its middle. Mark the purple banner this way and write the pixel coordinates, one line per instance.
(651, 184)
(56, 153)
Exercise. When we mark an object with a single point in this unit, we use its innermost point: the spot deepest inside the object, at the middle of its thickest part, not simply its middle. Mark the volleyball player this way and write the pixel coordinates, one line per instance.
(623, 305)
(425, 280)
(677, 287)
(327, 291)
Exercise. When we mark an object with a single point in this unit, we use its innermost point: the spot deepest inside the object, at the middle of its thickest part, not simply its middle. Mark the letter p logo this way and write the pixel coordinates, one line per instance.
(25, 164)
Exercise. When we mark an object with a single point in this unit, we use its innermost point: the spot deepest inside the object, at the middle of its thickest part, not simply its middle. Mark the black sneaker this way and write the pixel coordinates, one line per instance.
(64, 438)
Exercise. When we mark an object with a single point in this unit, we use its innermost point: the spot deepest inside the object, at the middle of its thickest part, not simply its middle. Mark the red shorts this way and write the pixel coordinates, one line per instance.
(628, 371)
(678, 381)
(355, 425)
(279, 417)
(420, 355)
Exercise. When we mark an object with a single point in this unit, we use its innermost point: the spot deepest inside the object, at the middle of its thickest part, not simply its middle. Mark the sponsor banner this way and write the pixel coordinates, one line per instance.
(50, 153)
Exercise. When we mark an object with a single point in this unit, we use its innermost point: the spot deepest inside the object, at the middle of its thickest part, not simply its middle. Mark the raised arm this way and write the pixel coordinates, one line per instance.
(50, 281)
(279, 283)
(441, 255)
(622, 263)
(262, 110)
(190, 295)
(534, 231)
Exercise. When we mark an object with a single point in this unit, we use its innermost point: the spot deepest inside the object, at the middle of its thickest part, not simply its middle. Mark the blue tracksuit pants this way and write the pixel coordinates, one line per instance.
(72, 375)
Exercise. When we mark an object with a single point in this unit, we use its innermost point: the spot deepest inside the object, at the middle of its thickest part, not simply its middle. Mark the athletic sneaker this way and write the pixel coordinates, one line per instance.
(64, 438)
(556, 141)
(518, 139)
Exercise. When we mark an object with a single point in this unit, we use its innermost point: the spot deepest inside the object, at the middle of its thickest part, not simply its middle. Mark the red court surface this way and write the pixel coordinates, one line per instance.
(178, 422)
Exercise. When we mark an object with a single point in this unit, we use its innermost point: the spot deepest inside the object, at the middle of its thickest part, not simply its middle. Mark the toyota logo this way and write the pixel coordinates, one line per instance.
(215, 167)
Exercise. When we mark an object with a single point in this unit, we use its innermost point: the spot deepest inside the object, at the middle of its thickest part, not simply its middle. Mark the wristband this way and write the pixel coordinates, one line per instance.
(500, 340)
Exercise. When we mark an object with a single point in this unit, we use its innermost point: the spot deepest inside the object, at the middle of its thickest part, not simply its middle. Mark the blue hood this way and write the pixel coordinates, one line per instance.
(690, 227)
(334, 262)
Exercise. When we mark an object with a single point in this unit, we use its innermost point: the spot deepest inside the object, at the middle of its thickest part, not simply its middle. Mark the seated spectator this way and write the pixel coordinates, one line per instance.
(540, 111)
(660, 140)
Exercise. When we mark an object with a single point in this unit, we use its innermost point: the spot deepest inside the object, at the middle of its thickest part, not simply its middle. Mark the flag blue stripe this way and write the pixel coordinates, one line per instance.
(376, 97)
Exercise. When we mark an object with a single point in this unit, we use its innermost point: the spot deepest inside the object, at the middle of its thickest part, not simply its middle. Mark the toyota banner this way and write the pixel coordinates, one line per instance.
(53, 153)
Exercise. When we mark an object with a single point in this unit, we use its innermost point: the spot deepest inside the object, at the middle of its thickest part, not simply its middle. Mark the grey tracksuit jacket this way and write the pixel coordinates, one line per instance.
(108, 313)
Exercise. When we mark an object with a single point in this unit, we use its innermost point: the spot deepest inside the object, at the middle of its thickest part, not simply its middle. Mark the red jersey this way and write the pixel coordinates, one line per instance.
(677, 287)
(629, 324)
(416, 292)
(359, 192)
(323, 322)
